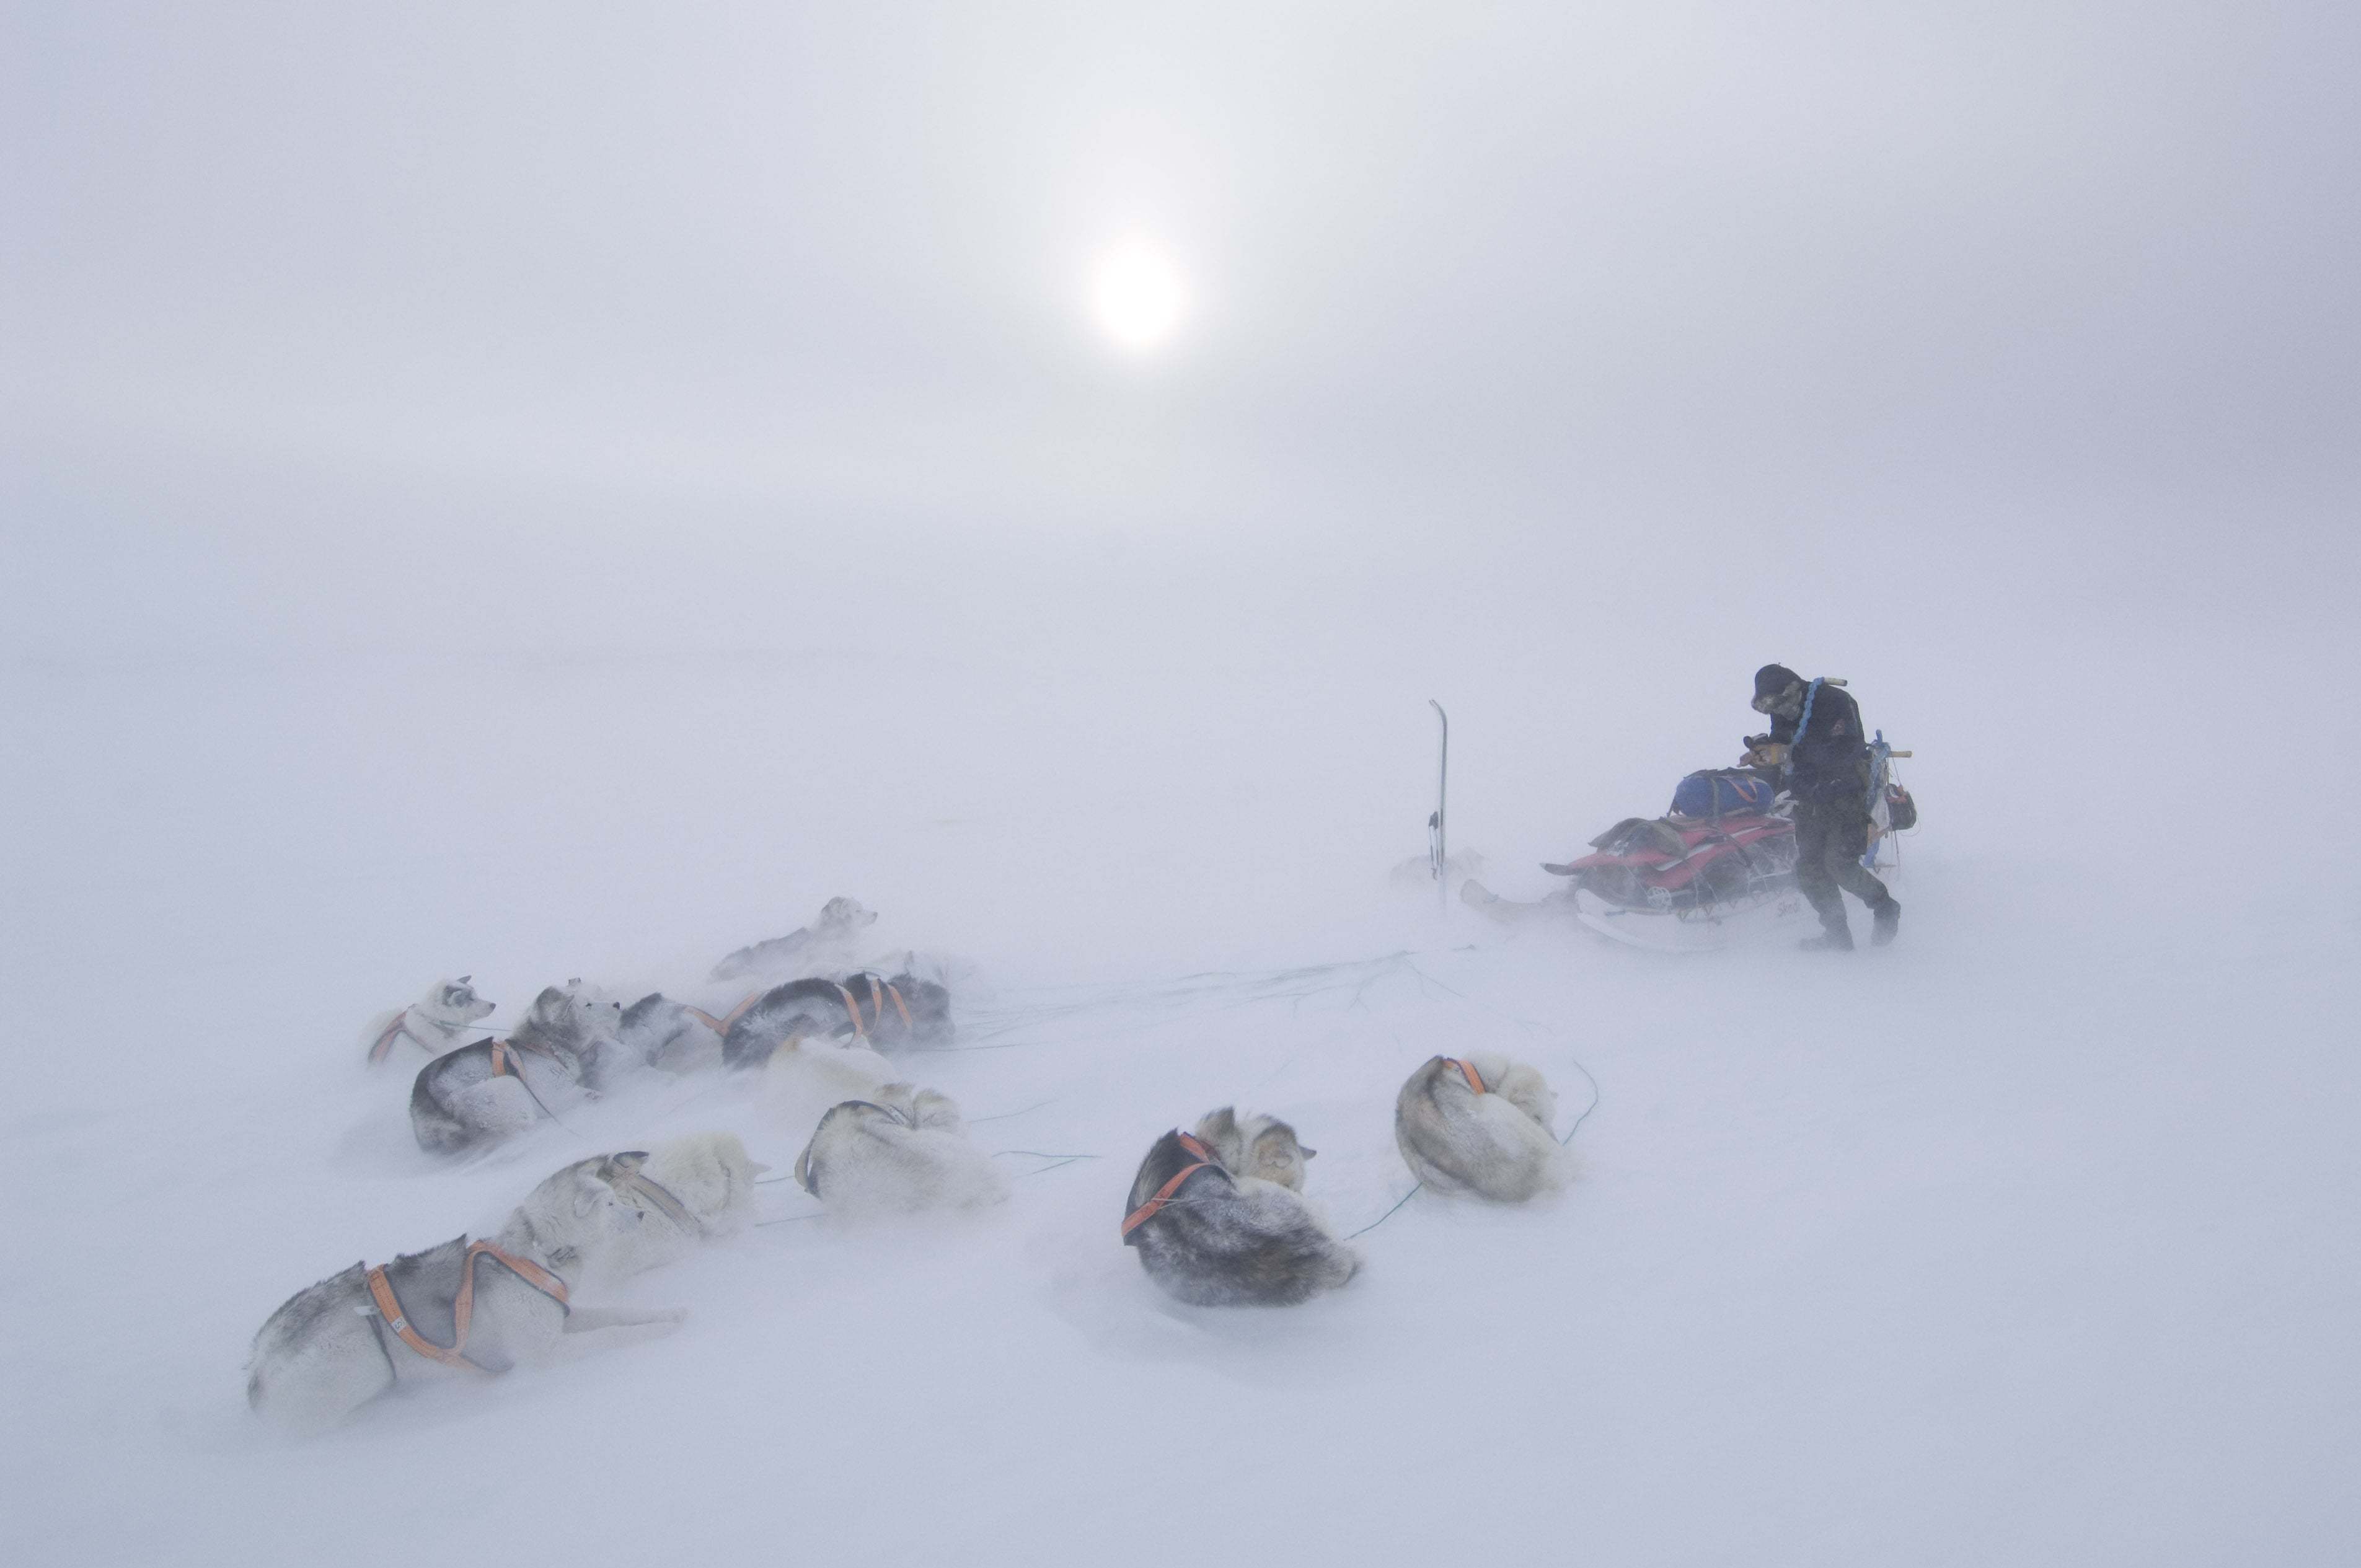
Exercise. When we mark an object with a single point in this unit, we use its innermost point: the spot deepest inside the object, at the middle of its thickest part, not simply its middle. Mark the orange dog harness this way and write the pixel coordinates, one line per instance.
(1147, 1210)
(463, 1309)
(879, 992)
(1468, 1073)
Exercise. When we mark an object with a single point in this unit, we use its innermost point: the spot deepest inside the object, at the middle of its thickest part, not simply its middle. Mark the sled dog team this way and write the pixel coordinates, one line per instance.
(1217, 1213)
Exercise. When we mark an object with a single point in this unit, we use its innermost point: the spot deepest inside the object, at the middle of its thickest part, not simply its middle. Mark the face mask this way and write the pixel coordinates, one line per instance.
(1786, 704)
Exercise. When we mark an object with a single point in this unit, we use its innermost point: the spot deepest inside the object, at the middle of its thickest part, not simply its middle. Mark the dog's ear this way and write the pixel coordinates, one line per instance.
(1307, 1152)
(467, 979)
(630, 1160)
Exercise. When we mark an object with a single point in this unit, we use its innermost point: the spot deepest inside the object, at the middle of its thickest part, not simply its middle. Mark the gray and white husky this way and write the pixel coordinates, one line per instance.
(1262, 1146)
(330, 1348)
(884, 1012)
(676, 1196)
(436, 1022)
(903, 1152)
(1479, 1126)
(672, 1036)
(1214, 1238)
(564, 1051)
(824, 946)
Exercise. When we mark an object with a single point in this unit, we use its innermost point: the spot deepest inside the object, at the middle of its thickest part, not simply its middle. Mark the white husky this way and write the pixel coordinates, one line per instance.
(461, 1310)
(678, 1194)
(821, 947)
(1479, 1126)
(438, 1021)
(809, 1074)
(904, 1151)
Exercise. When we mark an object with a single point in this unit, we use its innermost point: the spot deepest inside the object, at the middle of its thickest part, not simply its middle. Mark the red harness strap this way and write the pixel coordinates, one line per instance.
(1147, 1210)
(852, 1006)
(877, 1002)
(463, 1309)
(721, 1025)
(393, 1031)
(1473, 1081)
(502, 1066)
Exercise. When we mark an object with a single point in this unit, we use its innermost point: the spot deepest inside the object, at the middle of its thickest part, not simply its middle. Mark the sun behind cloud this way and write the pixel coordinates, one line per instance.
(1138, 295)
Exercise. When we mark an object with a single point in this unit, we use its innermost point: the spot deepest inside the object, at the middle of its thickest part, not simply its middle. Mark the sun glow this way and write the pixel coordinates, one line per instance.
(1137, 296)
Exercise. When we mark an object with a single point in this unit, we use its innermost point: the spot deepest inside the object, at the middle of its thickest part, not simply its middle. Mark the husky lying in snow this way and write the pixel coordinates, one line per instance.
(1479, 1125)
(672, 1036)
(903, 1011)
(904, 1152)
(458, 1310)
(1261, 1146)
(674, 1196)
(566, 1050)
(809, 1075)
(433, 1024)
(825, 943)
(1213, 1238)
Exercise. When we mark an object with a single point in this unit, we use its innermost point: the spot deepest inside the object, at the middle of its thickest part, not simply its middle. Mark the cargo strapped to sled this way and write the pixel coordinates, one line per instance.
(463, 1308)
(1474, 1080)
(1147, 1210)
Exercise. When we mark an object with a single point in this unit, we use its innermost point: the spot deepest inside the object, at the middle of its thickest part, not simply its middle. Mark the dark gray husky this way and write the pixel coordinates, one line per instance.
(564, 1050)
(1214, 1239)
(882, 1013)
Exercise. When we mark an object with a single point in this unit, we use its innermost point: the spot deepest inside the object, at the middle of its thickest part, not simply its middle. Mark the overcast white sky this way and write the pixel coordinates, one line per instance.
(284, 283)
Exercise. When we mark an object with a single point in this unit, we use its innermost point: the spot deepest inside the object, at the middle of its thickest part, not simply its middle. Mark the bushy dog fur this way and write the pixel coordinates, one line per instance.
(809, 1075)
(1261, 1146)
(567, 1049)
(1230, 1240)
(822, 947)
(709, 1174)
(669, 1035)
(326, 1352)
(1496, 1145)
(903, 1152)
(815, 1006)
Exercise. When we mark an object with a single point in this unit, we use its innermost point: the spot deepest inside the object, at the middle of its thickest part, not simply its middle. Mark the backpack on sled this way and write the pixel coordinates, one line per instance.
(1722, 792)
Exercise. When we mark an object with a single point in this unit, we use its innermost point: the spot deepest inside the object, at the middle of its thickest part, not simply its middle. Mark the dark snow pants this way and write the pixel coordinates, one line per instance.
(1830, 837)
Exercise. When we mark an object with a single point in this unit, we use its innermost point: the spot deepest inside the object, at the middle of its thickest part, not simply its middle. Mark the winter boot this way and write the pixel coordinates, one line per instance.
(1835, 940)
(1888, 920)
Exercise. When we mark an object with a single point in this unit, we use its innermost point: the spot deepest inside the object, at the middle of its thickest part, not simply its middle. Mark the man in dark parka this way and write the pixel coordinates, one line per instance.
(1818, 746)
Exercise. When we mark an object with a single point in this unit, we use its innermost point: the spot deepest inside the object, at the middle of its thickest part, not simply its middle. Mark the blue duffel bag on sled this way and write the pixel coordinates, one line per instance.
(1722, 792)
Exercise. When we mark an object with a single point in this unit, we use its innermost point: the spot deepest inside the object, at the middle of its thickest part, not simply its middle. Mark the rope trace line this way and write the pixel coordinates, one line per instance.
(1006, 1115)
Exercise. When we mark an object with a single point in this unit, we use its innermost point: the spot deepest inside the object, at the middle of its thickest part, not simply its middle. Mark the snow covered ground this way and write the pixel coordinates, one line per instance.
(2028, 1240)
(539, 490)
